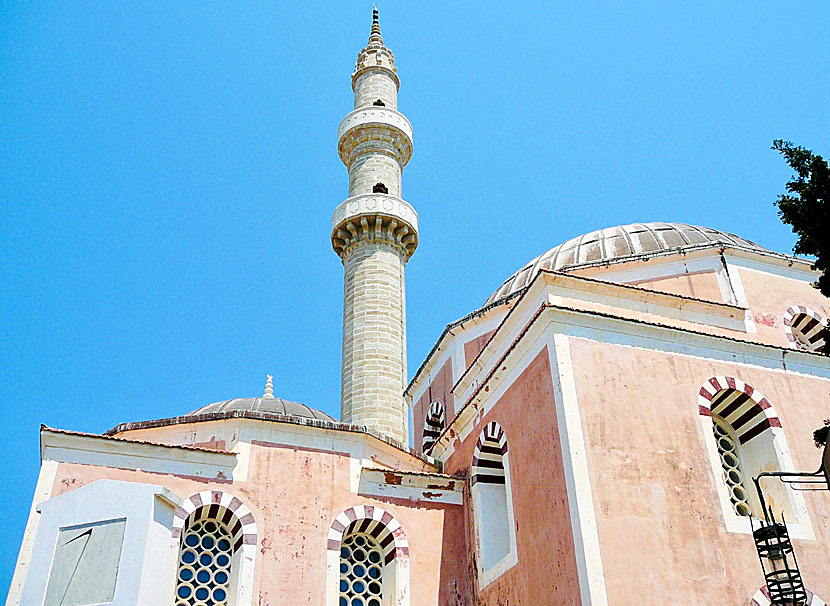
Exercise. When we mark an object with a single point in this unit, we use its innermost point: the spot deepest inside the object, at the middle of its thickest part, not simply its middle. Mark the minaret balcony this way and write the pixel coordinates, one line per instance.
(375, 129)
(374, 217)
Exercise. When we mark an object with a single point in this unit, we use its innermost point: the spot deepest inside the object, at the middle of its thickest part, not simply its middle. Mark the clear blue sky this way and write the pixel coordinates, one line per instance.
(168, 171)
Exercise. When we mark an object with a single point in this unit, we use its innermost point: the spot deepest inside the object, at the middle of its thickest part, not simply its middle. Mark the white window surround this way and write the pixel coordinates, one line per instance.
(800, 527)
(494, 571)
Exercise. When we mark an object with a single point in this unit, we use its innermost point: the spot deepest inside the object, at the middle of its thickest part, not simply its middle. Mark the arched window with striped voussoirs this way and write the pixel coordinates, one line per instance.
(434, 424)
(804, 328)
(217, 546)
(368, 559)
(744, 427)
(492, 504)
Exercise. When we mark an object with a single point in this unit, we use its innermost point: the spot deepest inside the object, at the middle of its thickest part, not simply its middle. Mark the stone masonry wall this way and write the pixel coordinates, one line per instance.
(374, 336)
(374, 85)
(369, 169)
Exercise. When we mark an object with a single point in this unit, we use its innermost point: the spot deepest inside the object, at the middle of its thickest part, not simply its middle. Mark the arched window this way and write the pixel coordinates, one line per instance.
(210, 552)
(433, 425)
(380, 188)
(371, 559)
(379, 103)
(493, 504)
(805, 328)
(730, 460)
(748, 439)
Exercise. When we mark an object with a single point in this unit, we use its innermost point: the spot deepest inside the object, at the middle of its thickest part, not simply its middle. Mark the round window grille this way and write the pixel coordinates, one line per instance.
(731, 465)
(361, 571)
(204, 565)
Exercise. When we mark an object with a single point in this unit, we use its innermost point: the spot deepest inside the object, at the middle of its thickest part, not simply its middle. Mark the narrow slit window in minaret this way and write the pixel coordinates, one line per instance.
(380, 188)
(380, 103)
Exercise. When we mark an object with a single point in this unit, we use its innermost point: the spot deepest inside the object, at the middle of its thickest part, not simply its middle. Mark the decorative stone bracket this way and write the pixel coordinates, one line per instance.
(374, 218)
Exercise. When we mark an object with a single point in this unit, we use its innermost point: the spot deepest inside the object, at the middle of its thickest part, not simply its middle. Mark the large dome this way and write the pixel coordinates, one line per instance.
(616, 243)
(276, 406)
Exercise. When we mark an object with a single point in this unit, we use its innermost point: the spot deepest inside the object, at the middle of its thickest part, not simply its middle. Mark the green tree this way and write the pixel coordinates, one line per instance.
(806, 207)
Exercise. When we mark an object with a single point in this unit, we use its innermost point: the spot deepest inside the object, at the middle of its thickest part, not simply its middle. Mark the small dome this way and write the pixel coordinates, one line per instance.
(276, 406)
(617, 243)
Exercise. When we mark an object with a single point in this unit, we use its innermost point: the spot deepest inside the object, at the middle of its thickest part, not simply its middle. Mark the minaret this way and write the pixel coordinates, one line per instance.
(375, 232)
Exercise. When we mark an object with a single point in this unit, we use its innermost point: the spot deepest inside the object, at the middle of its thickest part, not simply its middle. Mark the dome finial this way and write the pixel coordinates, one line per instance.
(269, 387)
(375, 38)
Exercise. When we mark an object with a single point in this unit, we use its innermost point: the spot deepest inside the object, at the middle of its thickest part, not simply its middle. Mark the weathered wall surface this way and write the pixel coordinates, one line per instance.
(769, 297)
(439, 389)
(294, 494)
(699, 285)
(654, 493)
(546, 569)
(474, 346)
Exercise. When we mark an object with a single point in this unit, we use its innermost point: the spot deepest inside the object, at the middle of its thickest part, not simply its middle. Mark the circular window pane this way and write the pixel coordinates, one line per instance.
(360, 572)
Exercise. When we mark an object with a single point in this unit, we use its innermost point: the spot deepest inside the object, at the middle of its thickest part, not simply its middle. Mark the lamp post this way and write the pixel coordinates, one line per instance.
(772, 540)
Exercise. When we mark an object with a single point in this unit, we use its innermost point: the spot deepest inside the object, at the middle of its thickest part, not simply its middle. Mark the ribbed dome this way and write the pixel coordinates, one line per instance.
(264, 405)
(618, 243)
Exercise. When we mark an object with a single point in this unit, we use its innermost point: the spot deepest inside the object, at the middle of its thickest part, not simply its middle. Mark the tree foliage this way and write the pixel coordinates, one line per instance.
(806, 208)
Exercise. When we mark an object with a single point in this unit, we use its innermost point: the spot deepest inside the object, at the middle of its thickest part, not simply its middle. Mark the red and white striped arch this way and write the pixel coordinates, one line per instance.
(488, 456)
(761, 598)
(806, 321)
(739, 404)
(433, 425)
(219, 505)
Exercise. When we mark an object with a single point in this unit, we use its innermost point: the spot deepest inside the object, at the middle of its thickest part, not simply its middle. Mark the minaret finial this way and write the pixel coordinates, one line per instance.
(269, 387)
(375, 38)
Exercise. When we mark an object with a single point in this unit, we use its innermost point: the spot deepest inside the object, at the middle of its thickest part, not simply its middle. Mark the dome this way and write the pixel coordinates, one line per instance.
(618, 243)
(276, 406)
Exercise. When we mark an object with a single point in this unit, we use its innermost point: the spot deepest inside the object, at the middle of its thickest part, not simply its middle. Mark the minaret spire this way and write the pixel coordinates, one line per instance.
(375, 39)
(375, 232)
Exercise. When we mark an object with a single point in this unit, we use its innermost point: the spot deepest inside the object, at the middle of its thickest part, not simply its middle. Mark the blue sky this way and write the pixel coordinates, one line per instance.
(168, 172)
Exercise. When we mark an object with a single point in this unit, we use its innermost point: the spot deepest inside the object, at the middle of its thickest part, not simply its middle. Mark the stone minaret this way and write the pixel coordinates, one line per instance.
(375, 232)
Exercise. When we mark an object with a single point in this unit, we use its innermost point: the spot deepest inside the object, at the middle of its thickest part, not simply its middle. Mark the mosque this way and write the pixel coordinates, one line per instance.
(588, 436)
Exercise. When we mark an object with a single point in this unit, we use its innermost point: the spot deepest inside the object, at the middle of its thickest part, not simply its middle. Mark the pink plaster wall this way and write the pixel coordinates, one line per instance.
(294, 495)
(473, 347)
(653, 488)
(546, 569)
(769, 297)
(700, 285)
(439, 389)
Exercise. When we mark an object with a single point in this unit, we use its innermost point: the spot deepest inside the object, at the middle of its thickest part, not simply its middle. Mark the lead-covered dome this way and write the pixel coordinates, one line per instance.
(618, 243)
(264, 405)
